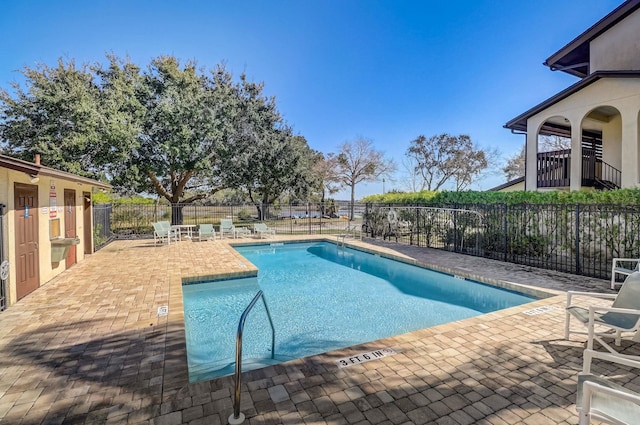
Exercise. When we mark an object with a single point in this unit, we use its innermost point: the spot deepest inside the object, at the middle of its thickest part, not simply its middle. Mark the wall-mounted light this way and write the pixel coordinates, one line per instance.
(33, 178)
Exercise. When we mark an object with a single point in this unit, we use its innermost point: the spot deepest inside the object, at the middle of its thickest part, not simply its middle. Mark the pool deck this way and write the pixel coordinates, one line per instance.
(89, 347)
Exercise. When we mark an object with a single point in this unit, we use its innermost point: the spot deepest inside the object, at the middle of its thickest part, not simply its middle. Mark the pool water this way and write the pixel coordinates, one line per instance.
(322, 297)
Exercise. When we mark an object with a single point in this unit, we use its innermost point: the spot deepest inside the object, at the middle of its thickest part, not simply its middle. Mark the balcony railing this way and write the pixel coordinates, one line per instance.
(554, 170)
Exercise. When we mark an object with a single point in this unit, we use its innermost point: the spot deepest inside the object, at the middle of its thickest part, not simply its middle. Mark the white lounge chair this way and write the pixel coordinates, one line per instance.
(602, 398)
(261, 229)
(206, 231)
(622, 316)
(226, 226)
(162, 231)
(623, 266)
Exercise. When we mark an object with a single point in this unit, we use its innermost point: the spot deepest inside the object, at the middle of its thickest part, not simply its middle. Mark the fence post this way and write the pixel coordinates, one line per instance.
(577, 239)
(417, 226)
(455, 228)
(308, 217)
(365, 219)
(505, 229)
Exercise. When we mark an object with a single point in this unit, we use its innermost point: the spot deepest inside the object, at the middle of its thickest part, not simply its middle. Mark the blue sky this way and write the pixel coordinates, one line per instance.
(386, 70)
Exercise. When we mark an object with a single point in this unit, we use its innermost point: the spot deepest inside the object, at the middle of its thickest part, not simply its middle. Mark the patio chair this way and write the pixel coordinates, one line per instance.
(262, 229)
(603, 399)
(162, 230)
(226, 226)
(206, 231)
(623, 266)
(623, 316)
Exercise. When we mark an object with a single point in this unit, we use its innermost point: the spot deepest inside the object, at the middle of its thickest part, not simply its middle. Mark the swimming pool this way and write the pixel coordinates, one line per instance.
(322, 297)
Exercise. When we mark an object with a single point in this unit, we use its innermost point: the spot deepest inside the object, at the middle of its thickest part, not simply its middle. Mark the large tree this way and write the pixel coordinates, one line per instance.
(444, 158)
(183, 124)
(261, 155)
(359, 162)
(164, 127)
(171, 129)
(123, 113)
(57, 116)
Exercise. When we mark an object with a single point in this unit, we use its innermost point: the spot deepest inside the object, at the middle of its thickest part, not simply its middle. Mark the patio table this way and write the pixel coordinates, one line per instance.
(186, 229)
(241, 231)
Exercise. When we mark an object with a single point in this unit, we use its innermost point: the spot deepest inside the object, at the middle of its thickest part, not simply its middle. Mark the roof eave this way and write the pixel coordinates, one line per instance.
(519, 123)
(40, 170)
(507, 184)
(592, 32)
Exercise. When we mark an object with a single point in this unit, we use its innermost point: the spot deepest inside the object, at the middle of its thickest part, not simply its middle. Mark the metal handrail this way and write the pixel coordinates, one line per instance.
(237, 417)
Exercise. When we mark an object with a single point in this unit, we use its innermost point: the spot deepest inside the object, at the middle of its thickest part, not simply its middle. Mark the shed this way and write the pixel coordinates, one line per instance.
(46, 224)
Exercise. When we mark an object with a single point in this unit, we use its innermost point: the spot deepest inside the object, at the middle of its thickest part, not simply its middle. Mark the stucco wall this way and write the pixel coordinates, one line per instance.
(611, 146)
(47, 269)
(620, 93)
(617, 49)
(4, 192)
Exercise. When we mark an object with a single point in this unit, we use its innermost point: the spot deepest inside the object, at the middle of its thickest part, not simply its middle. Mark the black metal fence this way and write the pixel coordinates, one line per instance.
(102, 233)
(127, 221)
(578, 239)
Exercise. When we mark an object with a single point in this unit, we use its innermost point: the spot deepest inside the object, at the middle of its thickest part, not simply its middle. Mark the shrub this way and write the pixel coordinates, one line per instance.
(611, 197)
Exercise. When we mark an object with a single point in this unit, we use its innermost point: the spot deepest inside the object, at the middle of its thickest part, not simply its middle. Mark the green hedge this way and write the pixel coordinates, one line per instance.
(108, 198)
(609, 197)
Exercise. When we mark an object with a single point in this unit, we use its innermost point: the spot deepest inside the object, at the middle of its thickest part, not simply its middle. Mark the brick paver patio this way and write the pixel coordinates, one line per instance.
(89, 347)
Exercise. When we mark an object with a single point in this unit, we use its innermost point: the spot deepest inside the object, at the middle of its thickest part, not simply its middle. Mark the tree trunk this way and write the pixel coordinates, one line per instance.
(353, 196)
(176, 214)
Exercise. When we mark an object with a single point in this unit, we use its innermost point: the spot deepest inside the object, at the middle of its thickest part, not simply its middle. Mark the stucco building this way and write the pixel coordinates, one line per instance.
(599, 113)
(45, 224)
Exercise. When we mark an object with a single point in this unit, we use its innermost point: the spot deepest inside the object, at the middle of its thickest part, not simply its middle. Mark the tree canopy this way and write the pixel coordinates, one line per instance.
(172, 129)
(57, 117)
(444, 158)
(260, 154)
(359, 162)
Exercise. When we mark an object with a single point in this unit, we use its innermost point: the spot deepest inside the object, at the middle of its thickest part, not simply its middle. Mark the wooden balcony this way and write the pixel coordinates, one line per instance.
(554, 170)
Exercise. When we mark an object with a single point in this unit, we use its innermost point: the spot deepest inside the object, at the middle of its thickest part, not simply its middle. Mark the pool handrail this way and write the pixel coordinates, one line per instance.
(237, 417)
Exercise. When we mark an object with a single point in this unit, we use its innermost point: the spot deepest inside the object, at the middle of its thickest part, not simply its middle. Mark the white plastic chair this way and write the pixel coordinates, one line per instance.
(206, 231)
(262, 229)
(603, 399)
(226, 226)
(623, 266)
(622, 316)
(162, 230)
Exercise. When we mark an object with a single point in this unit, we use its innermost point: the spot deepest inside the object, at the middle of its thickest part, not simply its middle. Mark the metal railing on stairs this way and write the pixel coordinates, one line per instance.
(238, 417)
(554, 170)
